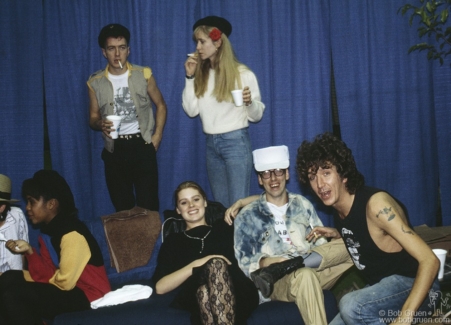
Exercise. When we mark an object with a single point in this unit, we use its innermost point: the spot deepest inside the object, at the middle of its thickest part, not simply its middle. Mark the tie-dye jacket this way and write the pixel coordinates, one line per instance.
(256, 237)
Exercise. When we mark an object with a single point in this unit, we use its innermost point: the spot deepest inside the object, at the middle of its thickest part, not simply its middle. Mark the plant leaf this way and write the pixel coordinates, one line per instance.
(444, 16)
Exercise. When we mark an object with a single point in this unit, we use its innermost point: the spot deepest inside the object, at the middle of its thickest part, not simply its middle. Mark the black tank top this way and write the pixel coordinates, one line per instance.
(374, 263)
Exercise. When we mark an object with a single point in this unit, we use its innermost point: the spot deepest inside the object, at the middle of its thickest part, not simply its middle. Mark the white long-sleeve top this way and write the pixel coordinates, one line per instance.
(15, 227)
(225, 116)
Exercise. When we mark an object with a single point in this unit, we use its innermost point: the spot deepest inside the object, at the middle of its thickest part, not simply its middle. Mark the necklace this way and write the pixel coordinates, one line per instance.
(201, 239)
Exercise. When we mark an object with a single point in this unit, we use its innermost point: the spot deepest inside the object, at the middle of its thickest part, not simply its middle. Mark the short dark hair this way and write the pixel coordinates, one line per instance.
(324, 151)
(113, 30)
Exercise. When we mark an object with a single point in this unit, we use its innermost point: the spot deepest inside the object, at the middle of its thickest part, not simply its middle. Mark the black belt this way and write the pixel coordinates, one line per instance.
(129, 136)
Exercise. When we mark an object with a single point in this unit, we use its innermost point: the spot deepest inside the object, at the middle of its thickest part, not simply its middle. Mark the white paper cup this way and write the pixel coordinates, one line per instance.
(237, 95)
(116, 124)
(441, 254)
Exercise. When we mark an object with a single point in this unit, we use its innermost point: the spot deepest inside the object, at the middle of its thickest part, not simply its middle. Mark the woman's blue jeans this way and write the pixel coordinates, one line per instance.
(381, 302)
(229, 165)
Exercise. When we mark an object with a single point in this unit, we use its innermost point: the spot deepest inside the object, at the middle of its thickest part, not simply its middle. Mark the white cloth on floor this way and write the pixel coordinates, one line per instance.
(127, 293)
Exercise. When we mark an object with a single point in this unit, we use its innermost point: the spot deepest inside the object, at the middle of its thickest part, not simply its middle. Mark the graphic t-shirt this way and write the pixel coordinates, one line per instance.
(280, 226)
(123, 104)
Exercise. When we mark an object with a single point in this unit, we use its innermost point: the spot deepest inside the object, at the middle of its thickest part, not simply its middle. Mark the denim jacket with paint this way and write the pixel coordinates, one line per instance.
(256, 237)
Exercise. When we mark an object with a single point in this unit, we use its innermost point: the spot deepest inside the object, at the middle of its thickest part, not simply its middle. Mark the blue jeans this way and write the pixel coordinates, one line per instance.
(229, 165)
(381, 302)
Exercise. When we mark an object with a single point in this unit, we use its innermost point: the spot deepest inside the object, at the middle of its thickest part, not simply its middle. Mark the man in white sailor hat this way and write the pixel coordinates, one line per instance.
(270, 241)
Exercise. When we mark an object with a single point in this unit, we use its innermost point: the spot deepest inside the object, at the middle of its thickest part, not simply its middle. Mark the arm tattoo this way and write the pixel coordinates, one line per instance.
(386, 211)
(410, 232)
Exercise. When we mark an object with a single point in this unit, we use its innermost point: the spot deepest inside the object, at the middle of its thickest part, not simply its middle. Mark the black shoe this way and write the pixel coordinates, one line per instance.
(265, 277)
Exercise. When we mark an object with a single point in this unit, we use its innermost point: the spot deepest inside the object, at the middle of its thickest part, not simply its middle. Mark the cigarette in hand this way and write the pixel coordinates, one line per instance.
(17, 248)
(120, 64)
(314, 233)
(190, 54)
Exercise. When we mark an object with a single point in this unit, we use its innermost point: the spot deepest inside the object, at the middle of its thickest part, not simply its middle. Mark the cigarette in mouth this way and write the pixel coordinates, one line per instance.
(316, 236)
(190, 54)
(120, 64)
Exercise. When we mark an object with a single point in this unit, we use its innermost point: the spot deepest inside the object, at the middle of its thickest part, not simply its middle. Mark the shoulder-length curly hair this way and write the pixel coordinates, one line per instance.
(325, 151)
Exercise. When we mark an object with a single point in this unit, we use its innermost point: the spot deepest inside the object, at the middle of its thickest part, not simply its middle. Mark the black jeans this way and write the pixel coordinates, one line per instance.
(131, 174)
(27, 303)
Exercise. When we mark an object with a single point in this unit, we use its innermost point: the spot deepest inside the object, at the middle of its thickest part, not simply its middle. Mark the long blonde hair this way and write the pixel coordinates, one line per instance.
(227, 74)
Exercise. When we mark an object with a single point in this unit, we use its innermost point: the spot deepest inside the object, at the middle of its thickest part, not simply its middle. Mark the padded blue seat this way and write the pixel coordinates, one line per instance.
(155, 310)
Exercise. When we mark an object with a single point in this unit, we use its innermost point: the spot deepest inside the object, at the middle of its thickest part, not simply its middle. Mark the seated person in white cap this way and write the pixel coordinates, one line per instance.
(271, 246)
(13, 225)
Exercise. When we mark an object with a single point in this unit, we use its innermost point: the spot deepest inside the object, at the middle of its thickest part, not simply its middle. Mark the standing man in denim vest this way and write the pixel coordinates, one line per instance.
(271, 245)
(128, 91)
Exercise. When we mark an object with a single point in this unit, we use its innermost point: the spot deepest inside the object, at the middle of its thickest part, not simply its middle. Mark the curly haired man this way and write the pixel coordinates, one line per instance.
(399, 266)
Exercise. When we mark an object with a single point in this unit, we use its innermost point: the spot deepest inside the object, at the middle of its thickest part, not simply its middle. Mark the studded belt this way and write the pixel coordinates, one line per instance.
(129, 136)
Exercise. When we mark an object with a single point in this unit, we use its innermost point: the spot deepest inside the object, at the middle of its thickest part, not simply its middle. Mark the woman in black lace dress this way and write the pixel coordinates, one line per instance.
(200, 262)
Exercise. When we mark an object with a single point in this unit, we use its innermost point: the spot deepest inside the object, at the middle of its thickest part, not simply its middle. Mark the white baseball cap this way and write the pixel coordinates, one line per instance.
(269, 158)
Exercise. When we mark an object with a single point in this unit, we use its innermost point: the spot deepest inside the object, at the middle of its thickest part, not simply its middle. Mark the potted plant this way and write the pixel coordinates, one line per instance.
(433, 21)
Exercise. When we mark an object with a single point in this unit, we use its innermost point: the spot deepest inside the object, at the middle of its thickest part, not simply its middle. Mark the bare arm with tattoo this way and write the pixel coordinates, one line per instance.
(389, 229)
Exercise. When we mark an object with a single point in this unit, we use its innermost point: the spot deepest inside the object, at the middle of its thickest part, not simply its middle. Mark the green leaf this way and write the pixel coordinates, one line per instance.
(444, 16)
(422, 32)
(420, 47)
(404, 9)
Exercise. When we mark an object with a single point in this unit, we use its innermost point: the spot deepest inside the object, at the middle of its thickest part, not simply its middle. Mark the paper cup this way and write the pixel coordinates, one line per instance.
(441, 254)
(237, 95)
(116, 124)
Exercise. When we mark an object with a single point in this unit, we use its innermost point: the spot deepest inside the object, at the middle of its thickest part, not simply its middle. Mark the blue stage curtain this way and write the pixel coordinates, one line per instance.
(386, 103)
(72, 54)
(292, 63)
(22, 99)
(442, 101)
(393, 107)
(293, 77)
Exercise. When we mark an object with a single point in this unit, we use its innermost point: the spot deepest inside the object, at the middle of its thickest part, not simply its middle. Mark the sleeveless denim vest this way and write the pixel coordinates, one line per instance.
(137, 83)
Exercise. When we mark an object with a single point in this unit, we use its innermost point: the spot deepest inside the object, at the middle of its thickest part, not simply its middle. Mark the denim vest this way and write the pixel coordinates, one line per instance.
(137, 83)
(256, 237)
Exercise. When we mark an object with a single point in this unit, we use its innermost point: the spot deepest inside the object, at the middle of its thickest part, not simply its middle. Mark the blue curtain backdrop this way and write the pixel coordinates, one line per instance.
(22, 91)
(442, 105)
(393, 107)
(386, 97)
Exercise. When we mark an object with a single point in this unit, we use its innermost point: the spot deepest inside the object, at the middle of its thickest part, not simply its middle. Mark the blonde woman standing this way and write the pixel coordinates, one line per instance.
(212, 72)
